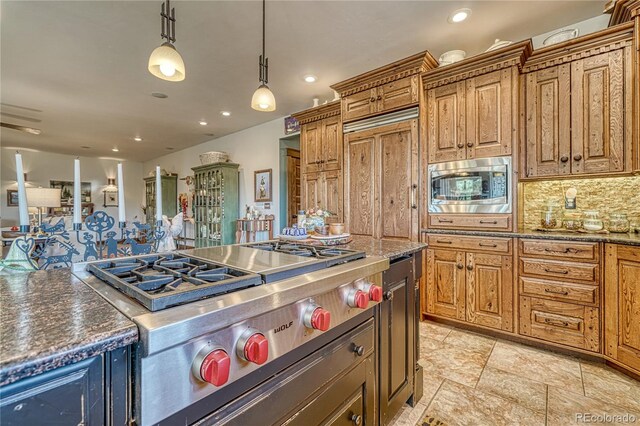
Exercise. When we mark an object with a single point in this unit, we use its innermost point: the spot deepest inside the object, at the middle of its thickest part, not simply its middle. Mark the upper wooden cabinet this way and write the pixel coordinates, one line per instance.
(320, 138)
(323, 189)
(472, 105)
(622, 305)
(381, 177)
(578, 108)
(388, 88)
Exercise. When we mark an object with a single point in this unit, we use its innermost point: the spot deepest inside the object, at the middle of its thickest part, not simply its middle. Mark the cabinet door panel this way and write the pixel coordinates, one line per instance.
(622, 304)
(445, 283)
(490, 290)
(446, 123)
(489, 114)
(548, 121)
(310, 142)
(332, 194)
(359, 105)
(360, 198)
(598, 113)
(398, 94)
(311, 190)
(398, 168)
(331, 144)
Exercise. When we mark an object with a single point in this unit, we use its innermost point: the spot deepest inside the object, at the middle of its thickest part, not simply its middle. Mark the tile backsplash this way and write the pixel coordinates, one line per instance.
(603, 194)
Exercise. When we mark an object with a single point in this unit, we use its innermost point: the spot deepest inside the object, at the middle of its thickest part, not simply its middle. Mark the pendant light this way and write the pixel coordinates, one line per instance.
(165, 62)
(263, 99)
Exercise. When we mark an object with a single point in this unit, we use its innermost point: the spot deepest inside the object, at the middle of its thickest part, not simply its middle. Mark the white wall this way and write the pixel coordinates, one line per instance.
(255, 148)
(41, 167)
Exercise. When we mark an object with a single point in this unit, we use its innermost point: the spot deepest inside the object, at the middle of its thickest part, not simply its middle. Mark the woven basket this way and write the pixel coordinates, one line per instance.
(214, 157)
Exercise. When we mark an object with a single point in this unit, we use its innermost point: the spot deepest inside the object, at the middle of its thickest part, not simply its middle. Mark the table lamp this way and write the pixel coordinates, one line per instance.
(43, 198)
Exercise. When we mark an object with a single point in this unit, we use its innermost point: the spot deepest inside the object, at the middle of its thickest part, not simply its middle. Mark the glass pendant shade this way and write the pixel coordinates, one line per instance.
(263, 99)
(166, 63)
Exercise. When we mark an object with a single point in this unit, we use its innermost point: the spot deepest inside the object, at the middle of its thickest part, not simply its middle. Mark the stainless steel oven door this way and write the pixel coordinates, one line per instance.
(470, 186)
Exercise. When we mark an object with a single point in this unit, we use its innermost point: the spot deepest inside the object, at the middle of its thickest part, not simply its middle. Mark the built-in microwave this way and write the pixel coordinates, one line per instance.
(470, 186)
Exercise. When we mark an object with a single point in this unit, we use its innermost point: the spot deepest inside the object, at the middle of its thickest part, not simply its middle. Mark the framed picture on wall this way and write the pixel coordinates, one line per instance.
(12, 198)
(110, 199)
(66, 190)
(262, 184)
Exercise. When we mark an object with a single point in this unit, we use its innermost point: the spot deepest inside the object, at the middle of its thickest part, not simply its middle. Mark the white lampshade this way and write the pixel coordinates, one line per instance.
(43, 197)
(263, 99)
(166, 63)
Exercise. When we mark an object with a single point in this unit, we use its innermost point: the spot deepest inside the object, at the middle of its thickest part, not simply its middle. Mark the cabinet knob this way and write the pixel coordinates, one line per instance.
(379, 97)
(358, 350)
(577, 157)
(459, 266)
(470, 144)
(564, 158)
(469, 267)
(372, 99)
(388, 295)
(460, 145)
(356, 419)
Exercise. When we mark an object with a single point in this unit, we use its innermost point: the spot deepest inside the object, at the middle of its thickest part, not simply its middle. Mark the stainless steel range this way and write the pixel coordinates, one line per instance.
(217, 324)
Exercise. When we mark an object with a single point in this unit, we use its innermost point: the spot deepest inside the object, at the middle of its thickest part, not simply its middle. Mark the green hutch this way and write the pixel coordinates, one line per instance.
(216, 203)
(169, 196)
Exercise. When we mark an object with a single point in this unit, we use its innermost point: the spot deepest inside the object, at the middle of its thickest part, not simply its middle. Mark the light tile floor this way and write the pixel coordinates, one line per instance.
(475, 380)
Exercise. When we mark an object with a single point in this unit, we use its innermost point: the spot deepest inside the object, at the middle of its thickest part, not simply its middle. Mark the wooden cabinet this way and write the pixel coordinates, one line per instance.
(622, 305)
(321, 159)
(389, 88)
(560, 292)
(470, 286)
(578, 104)
(169, 196)
(381, 177)
(472, 106)
(323, 189)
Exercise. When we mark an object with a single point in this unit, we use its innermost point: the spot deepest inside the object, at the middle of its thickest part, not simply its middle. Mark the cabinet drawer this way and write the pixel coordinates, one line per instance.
(561, 291)
(398, 94)
(559, 322)
(461, 221)
(496, 245)
(567, 250)
(560, 270)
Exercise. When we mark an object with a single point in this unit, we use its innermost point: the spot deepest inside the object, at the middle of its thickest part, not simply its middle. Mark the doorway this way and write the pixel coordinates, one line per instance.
(289, 180)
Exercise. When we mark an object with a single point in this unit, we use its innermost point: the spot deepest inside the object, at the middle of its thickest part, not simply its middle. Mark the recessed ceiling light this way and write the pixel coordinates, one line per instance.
(159, 95)
(459, 15)
(225, 113)
(137, 139)
(202, 122)
(85, 147)
(115, 149)
(310, 78)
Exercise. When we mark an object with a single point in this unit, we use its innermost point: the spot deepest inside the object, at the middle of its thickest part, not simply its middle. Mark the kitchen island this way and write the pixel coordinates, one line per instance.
(391, 249)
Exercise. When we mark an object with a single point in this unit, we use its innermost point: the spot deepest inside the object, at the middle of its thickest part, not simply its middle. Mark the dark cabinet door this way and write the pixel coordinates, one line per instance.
(71, 395)
(397, 338)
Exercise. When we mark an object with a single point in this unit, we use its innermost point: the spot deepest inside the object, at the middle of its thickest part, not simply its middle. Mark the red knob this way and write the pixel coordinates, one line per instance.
(358, 299)
(320, 319)
(215, 368)
(256, 349)
(375, 293)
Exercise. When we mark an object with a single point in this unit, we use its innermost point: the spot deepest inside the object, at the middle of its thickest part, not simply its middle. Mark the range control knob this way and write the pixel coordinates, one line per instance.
(358, 299)
(215, 367)
(252, 346)
(317, 318)
(374, 291)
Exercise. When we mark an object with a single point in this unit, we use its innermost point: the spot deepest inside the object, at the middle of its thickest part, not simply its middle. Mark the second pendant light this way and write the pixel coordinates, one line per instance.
(263, 99)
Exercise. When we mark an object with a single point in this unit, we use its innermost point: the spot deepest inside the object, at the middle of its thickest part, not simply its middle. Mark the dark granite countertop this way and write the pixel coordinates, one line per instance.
(49, 319)
(628, 239)
(391, 249)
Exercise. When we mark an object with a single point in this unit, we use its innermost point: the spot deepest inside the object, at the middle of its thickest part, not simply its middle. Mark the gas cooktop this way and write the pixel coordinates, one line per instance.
(162, 281)
(331, 255)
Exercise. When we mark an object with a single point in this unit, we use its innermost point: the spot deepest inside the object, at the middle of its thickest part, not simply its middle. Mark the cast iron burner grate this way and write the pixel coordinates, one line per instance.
(162, 281)
(331, 255)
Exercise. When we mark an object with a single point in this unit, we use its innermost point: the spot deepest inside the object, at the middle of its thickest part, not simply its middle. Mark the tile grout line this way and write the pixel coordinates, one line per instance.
(430, 401)
(584, 391)
(546, 406)
(484, 366)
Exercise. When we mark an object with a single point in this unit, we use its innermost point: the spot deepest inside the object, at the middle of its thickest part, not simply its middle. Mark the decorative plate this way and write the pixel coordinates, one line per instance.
(293, 237)
(561, 36)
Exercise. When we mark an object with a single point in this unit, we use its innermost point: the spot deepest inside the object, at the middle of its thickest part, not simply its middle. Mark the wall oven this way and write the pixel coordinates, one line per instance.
(471, 186)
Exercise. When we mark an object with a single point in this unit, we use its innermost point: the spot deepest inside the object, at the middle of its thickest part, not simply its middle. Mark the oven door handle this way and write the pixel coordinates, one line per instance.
(414, 187)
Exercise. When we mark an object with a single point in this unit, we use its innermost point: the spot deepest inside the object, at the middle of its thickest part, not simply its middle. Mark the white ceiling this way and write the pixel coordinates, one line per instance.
(83, 64)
